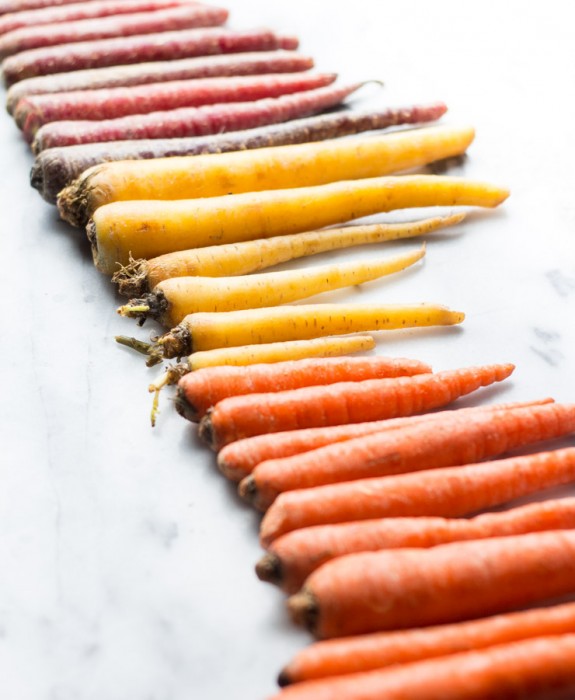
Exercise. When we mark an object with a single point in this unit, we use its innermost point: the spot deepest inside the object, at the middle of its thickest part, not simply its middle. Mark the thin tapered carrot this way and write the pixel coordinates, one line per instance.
(174, 299)
(346, 402)
(431, 444)
(540, 668)
(292, 557)
(141, 276)
(238, 459)
(147, 228)
(448, 492)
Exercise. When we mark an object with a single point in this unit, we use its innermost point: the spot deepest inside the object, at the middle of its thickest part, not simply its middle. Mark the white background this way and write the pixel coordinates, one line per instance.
(126, 562)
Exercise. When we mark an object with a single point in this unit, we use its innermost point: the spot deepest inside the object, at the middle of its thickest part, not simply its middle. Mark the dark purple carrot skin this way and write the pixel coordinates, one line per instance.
(164, 46)
(79, 11)
(33, 112)
(257, 63)
(56, 168)
(193, 121)
(168, 20)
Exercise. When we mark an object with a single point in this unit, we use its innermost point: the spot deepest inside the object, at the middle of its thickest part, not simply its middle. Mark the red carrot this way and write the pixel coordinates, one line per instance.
(345, 402)
(538, 669)
(203, 389)
(139, 49)
(403, 588)
(193, 121)
(239, 459)
(294, 556)
(32, 112)
(432, 444)
(449, 492)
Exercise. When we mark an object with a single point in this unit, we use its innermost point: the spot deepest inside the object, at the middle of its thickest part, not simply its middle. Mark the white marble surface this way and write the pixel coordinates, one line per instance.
(127, 562)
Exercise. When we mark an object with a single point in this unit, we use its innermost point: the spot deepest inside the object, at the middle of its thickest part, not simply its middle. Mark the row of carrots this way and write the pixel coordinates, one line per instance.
(199, 165)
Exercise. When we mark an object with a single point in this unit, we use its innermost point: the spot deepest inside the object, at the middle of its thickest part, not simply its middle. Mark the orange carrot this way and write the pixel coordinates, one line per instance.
(438, 443)
(292, 557)
(448, 492)
(535, 669)
(239, 458)
(345, 402)
(386, 590)
(338, 657)
(203, 389)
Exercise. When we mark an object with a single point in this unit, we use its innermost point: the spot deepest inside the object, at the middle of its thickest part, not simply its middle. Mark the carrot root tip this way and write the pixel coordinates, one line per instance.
(269, 569)
(176, 343)
(132, 279)
(304, 610)
(187, 411)
(206, 431)
(153, 304)
(284, 679)
(248, 490)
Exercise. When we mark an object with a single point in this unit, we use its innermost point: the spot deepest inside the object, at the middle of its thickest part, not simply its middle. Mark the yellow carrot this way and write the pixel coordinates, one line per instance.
(148, 228)
(279, 167)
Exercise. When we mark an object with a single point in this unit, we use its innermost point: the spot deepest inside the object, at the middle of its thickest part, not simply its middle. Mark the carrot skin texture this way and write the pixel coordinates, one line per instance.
(56, 168)
(448, 492)
(431, 444)
(238, 459)
(193, 121)
(123, 25)
(541, 668)
(294, 556)
(9, 6)
(203, 389)
(139, 49)
(346, 402)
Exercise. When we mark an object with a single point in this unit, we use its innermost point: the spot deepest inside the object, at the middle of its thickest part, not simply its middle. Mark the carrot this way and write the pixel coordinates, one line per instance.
(274, 324)
(448, 492)
(141, 276)
(292, 557)
(146, 229)
(540, 668)
(203, 389)
(173, 299)
(273, 168)
(138, 23)
(374, 591)
(345, 402)
(56, 168)
(193, 121)
(137, 49)
(7, 6)
(437, 443)
(238, 459)
(111, 103)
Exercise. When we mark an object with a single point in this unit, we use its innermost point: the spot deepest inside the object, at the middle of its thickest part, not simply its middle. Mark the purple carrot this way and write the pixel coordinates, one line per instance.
(193, 121)
(257, 63)
(99, 105)
(56, 168)
(80, 10)
(165, 46)
(171, 19)
(21, 5)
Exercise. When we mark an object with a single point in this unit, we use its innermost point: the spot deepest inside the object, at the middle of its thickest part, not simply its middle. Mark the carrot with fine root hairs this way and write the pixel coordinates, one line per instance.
(374, 591)
(431, 444)
(238, 459)
(56, 168)
(139, 49)
(279, 167)
(345, 402)
(294, 556)
(538, 668)
(449, 492)
(379, 650)
(146, 229)
(183, 16)
(112, 103)
(174, 299)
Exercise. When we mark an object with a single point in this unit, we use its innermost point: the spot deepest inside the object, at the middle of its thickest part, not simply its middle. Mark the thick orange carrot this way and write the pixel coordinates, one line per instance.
(449, 492)
(203, 389)
(292, 557)
(536, 669)
(438, 443)
(375, 591)
(345, 402)
(239, 458)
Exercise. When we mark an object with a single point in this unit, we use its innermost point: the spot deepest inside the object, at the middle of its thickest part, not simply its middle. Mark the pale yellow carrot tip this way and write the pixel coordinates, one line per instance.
(171, 376)
(152, 351)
